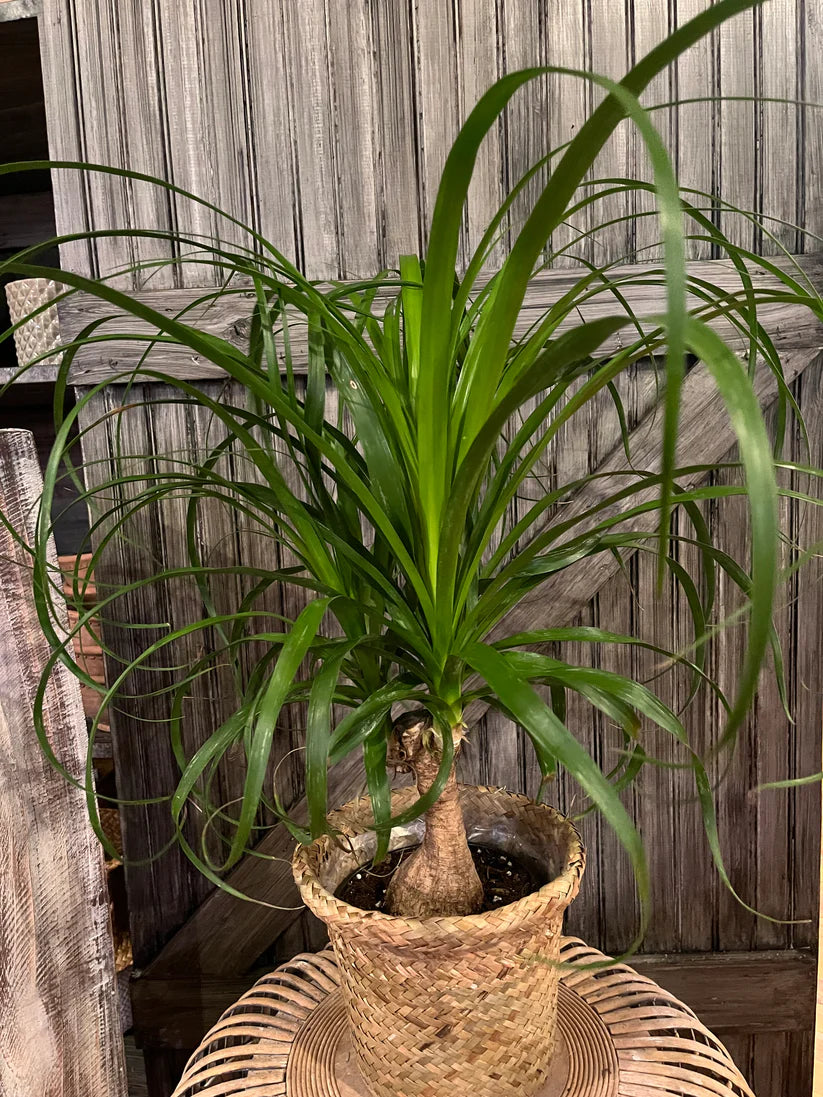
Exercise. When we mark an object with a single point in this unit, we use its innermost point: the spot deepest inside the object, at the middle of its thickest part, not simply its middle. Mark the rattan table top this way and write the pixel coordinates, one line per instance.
(620, 1035)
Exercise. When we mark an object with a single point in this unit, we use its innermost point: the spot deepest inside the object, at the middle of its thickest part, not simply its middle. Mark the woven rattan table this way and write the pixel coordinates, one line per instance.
(621, 1035)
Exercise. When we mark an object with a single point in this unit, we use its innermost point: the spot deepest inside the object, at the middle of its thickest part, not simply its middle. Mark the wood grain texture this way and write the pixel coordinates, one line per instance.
(307, 64)
(559, 601)
(67, 138)
(325, 125)
(228, 316)
(19, 9)
(322, 125)
(704, 430)
(479, 50)
(769, 993)
(59, 1013)
(354, 111)
(161, 893)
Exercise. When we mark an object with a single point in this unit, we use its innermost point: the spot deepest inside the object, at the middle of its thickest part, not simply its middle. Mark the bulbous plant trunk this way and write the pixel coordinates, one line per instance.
(439, 878)
(450, 1005)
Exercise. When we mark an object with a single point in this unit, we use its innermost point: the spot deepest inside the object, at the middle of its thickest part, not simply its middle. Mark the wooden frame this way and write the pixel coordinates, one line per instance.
(19, 9)
(171, 1009)
(326, 126)
(59, 1010)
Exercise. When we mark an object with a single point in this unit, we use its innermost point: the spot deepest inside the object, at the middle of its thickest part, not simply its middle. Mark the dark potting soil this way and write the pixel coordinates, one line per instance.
(505, 879)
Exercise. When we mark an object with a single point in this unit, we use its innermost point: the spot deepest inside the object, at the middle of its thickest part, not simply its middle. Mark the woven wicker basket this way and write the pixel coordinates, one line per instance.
(462, 1006)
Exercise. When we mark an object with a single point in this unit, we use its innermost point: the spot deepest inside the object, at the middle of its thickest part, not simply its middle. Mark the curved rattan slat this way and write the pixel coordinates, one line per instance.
(662, 1048)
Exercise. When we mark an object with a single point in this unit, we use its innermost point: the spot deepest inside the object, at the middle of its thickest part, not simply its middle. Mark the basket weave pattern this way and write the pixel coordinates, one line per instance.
(660, 1046)
(465, 1006)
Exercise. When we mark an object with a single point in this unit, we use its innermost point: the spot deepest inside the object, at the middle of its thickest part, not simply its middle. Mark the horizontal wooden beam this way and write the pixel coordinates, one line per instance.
(735, 993)
(251, 927)
(19, 9)
(228, 317)
(25, 219)
(740, 992)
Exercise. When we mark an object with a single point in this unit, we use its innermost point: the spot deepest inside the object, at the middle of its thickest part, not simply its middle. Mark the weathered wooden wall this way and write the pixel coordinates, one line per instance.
(771, 840)
(324, 125)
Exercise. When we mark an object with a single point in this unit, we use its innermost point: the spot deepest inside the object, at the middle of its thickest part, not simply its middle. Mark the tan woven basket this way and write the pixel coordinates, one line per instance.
(461, 1006)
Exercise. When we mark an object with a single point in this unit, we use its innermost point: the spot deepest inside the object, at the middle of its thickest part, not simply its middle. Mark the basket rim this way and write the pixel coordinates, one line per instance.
(323, 903)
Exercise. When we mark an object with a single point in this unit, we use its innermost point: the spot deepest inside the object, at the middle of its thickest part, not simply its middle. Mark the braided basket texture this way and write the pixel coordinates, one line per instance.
(463, 1006)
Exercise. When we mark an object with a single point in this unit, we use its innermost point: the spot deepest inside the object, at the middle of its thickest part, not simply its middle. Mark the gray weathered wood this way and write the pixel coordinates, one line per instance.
(307, 65)
(706, 436)
(59, 1014)
(67, 138)
(227, 316)
(323, 125)
(331, 99)
(19, 9)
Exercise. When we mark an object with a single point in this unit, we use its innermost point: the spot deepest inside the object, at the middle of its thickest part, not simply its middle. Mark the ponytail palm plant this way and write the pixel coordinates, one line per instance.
(394, 505)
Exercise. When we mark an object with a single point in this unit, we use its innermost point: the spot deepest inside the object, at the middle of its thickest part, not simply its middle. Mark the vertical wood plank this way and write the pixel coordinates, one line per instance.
(192, 153)
(619, 906)
(141, 58)
(276, 195)
(736, 812)
(96, 39)
(800, 1064)
(501, 754)
(65, 129)
(185, 436)
(808, 669)
(398, 153)
(479, 49)
(59, 1012)
(586, 917)
(740, 1049)
(566, 47)
(696, 919)
(307, 63)
(739, 126)
(614, 608)
(773, 761)
(224, 85)
(650, 25)
(523, 44)
(436, 95)
(811, 150)
(778, 157)
(163, 891)
(695, 78)
(351, 59)
(771, 1065)
(608, 33)
(657, 806)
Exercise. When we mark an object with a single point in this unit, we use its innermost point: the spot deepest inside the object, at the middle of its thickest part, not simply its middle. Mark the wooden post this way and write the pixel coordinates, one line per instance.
(818, 1025)
(59, 1022)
